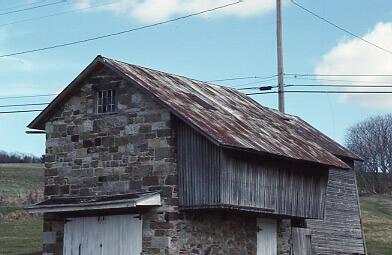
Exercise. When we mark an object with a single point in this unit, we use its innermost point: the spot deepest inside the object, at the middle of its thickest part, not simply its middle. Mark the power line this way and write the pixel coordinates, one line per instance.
(119, 33)
(317, 85)
(336, 80)
(20, 5)
(322, 92)
(27, 96)
(259, 88)
(340, 28)
(31, 8)
(339, 85)
(338, 75)
(20, 105)
(244, 78)
(254, 82)
(23, 111)
(56, 14)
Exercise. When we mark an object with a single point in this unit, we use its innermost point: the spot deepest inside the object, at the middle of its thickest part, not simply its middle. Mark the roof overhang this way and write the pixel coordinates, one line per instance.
(77, 204)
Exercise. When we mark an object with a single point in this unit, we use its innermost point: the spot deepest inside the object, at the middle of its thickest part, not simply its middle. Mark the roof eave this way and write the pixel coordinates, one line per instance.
(151, 200)
(39, 122)
(341, 164)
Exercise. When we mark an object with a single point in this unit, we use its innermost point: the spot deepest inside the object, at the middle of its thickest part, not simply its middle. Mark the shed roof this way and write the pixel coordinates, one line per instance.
(71, 204)
(226, 116)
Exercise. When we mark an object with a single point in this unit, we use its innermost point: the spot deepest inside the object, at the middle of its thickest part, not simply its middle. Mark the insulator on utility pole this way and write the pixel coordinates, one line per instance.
(280, 55)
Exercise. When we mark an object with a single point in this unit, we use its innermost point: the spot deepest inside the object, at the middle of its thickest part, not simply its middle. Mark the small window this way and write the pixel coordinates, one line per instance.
(106, 101)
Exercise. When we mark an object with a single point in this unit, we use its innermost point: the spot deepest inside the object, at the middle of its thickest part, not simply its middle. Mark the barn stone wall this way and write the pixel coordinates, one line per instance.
(133, 150)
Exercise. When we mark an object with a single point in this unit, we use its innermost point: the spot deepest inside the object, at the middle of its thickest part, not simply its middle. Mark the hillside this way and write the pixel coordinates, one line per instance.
(377, 221)
(21, 233)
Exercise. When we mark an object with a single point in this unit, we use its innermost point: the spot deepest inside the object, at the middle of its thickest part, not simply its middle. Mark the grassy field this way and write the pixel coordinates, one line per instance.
(377, 222)
(17, 180)
(23, 236)
(19, 234)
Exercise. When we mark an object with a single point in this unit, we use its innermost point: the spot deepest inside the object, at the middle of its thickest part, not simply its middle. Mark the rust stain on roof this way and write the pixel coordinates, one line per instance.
(231, 118)
(234, 119)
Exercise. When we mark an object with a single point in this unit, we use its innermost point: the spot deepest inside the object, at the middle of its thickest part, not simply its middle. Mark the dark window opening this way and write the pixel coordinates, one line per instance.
(106, 101)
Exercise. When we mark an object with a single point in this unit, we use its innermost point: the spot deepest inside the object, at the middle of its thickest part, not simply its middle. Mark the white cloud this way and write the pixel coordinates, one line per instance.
(357, 57)
(148, 11)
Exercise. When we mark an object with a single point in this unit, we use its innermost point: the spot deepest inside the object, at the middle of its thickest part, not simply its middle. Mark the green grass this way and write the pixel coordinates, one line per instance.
(8, 209)
(377, 223)
(21, 236)
(18, 179)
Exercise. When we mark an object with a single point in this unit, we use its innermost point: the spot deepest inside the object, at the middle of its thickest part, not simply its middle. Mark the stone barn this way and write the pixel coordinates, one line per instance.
(140, 161)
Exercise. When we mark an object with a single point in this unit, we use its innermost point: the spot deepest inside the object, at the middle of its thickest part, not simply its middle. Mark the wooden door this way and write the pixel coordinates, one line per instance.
(120, 235)
(267, 243)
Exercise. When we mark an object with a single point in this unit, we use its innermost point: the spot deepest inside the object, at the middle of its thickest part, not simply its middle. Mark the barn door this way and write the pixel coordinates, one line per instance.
(267, 237)
(120, 235)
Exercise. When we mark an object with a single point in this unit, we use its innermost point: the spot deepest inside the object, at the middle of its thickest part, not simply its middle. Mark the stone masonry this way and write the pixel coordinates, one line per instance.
(99, 154)
(90, 154)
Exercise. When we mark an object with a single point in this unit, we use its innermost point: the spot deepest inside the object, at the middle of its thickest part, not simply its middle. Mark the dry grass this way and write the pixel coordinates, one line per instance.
(22, 236)
(377, 222)
(18, 180)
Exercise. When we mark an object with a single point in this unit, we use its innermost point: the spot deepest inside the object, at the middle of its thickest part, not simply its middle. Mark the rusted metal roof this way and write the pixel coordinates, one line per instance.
(227, 116)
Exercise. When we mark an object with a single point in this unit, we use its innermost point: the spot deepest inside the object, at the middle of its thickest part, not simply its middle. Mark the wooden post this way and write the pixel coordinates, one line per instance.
(280, 55)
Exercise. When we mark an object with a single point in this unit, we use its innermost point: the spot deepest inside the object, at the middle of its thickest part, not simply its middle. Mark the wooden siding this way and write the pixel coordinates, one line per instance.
(301, 241)
(340, 232)
(288, 189)
(198, 164)
(210, 177)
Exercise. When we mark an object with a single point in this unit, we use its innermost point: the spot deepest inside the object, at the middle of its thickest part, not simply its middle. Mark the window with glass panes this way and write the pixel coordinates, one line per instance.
(106, 101)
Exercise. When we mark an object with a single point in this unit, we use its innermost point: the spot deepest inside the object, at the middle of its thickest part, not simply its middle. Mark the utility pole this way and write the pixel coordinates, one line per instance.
(280, 54)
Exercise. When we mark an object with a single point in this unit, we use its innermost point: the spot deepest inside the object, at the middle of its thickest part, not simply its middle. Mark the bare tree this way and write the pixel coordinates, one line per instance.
(372, 140)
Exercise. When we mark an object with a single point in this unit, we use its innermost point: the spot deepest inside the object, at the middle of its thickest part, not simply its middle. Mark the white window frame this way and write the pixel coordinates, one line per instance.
(106, 101)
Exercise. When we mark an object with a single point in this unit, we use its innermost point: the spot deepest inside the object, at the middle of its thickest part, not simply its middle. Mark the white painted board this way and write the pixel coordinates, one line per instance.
(267, 237)
(116, 234)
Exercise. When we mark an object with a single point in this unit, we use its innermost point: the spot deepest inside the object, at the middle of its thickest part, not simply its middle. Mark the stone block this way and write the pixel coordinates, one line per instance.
(150, 181)
(162, 153)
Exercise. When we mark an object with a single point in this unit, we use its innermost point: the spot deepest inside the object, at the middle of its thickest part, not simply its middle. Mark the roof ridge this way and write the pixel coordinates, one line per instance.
(167, 73)
(204, 83)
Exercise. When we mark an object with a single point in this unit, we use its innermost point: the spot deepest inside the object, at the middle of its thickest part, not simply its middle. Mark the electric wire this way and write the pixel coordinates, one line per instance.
(239, 86)
(340, 27)
(244, 78)
(337, 80)
(33, 7)
(21, 111)
(27, 96)
(339, 85)
(22, 105)
(20, 5)
(120, 32)
(337, 75)
(57, 14)
(321, 92)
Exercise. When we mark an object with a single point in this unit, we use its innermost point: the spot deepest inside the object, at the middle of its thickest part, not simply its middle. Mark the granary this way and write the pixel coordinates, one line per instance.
(140, 161)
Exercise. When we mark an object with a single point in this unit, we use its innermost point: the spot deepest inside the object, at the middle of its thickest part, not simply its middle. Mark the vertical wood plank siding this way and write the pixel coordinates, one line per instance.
(210, 177)
(199, 169)
(294, 190)
(340, 232)
(301, 241)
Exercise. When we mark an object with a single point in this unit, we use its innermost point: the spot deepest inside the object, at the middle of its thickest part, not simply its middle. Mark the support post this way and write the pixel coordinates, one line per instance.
(280, 55)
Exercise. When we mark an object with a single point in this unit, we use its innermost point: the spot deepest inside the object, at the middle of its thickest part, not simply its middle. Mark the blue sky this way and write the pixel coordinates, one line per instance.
(227, 43)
